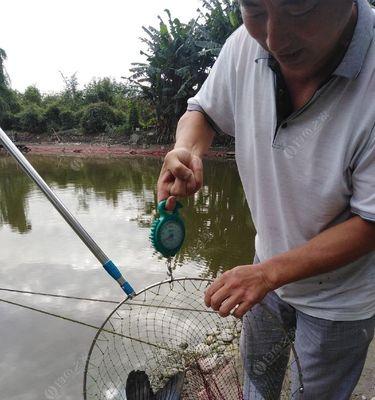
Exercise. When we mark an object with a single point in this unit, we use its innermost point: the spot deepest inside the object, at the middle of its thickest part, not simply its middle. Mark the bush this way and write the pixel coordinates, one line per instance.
(120, 117)
(97, 117)
(9, 121)
(133, 117)
(31, 119)
(68, 119)
(52, 116)
(3, 108)
(9, 101)
(120, 130)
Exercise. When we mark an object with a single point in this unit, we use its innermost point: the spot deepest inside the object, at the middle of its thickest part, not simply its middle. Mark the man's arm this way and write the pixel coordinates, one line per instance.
(182, 170)
(246, 285)
(194, 133)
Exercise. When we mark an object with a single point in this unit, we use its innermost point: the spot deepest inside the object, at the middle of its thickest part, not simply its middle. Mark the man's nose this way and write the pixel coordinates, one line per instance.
(277, 33)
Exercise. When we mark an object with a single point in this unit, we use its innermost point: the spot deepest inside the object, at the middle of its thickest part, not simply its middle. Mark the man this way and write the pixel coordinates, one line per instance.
(295, 86)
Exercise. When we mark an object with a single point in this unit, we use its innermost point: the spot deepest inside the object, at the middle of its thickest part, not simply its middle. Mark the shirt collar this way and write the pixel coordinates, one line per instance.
(351, 65)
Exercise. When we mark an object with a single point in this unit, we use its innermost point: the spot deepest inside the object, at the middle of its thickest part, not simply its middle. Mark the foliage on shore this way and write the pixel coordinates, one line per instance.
(178, 57)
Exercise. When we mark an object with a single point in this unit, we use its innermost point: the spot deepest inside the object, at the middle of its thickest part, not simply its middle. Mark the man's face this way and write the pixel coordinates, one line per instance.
(300, 34)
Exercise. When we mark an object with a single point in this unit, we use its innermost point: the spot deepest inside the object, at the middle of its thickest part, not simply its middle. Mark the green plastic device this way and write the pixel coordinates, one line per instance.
(168, 230)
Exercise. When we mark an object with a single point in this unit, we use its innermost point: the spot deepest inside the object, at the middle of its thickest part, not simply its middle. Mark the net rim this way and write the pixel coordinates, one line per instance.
(170, 281)
(197, 279)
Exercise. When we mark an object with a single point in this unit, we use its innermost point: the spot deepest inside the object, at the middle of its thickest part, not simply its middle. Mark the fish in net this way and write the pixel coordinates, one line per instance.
(166, 330)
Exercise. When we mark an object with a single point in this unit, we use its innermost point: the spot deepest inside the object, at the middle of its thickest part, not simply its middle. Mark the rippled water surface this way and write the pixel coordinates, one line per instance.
(43, 357)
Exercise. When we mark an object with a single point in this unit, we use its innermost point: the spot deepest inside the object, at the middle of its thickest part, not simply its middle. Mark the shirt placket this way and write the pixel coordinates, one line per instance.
(284, 108)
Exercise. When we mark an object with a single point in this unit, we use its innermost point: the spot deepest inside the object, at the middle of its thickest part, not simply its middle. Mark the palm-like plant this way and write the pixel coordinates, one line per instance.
(220, 18)
(178, 58)
(172, 71)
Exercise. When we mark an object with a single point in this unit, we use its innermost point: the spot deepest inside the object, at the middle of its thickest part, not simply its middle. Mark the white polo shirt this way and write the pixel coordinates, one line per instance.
(313, 171)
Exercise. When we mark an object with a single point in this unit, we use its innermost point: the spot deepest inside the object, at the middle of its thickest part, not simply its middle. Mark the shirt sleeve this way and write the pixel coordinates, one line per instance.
(363, 182)
(216, 97)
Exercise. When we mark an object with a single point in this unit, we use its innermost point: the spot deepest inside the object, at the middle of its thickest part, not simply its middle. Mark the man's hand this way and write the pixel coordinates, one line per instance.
(181, 175)
(239, 289)
(182, 171)
(243, 287)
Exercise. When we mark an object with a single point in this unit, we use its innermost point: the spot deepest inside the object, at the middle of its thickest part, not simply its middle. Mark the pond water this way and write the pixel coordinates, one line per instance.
(43, 357)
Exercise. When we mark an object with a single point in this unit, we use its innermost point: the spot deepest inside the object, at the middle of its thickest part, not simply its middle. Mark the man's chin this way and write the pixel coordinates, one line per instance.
(297, 69)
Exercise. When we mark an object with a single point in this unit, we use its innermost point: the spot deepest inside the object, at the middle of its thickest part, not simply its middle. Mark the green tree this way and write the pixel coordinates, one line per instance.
(9, 103)
(97, 117)
(104, 90)
(71, 96)
(4, 79)
(32, 95)
(178, 58)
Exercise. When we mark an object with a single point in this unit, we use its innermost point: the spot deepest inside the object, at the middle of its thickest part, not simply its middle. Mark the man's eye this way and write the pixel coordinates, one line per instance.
(258, 14)
(254, 12)
(301, 7)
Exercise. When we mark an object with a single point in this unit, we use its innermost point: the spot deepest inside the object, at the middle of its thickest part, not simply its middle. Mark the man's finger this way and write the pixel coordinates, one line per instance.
(178, 188)
(216, 285)
(242, 309)
(197, 167)
(191, 185)
(164, 184)
(219, 297)
(228, 305)
(179, 170)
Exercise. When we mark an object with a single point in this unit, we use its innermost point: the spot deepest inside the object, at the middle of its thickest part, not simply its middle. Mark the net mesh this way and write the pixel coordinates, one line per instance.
(167, 328)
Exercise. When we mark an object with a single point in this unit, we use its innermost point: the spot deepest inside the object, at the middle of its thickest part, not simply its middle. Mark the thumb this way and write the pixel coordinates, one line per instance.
(171, 203)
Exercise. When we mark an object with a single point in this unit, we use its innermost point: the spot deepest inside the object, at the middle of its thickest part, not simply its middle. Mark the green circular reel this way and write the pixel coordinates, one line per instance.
(168, 230)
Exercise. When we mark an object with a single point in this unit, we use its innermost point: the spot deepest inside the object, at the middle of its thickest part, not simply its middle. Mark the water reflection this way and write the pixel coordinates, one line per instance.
(114, 200)
(219, 230)
(14, 189)
(218, 222)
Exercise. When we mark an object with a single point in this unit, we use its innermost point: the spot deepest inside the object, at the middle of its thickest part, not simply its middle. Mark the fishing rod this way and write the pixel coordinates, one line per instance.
(107, 264)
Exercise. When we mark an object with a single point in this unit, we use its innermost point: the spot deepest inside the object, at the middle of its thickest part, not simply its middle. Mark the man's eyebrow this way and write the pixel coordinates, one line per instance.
(287, 2)
(250, 3)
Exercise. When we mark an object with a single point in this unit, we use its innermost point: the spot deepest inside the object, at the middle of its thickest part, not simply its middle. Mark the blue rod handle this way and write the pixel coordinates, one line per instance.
(111, 268)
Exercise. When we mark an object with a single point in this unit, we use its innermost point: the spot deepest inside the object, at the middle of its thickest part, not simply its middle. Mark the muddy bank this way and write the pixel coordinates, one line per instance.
(108, 150)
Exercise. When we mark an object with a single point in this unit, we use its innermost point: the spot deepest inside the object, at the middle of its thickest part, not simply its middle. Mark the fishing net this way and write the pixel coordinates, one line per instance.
(166, 329)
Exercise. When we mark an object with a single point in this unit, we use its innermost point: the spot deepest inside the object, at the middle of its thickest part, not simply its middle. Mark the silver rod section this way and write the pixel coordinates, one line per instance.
(56, 202)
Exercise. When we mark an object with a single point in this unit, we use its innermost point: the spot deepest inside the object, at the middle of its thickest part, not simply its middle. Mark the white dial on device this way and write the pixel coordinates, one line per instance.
(171, 235)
